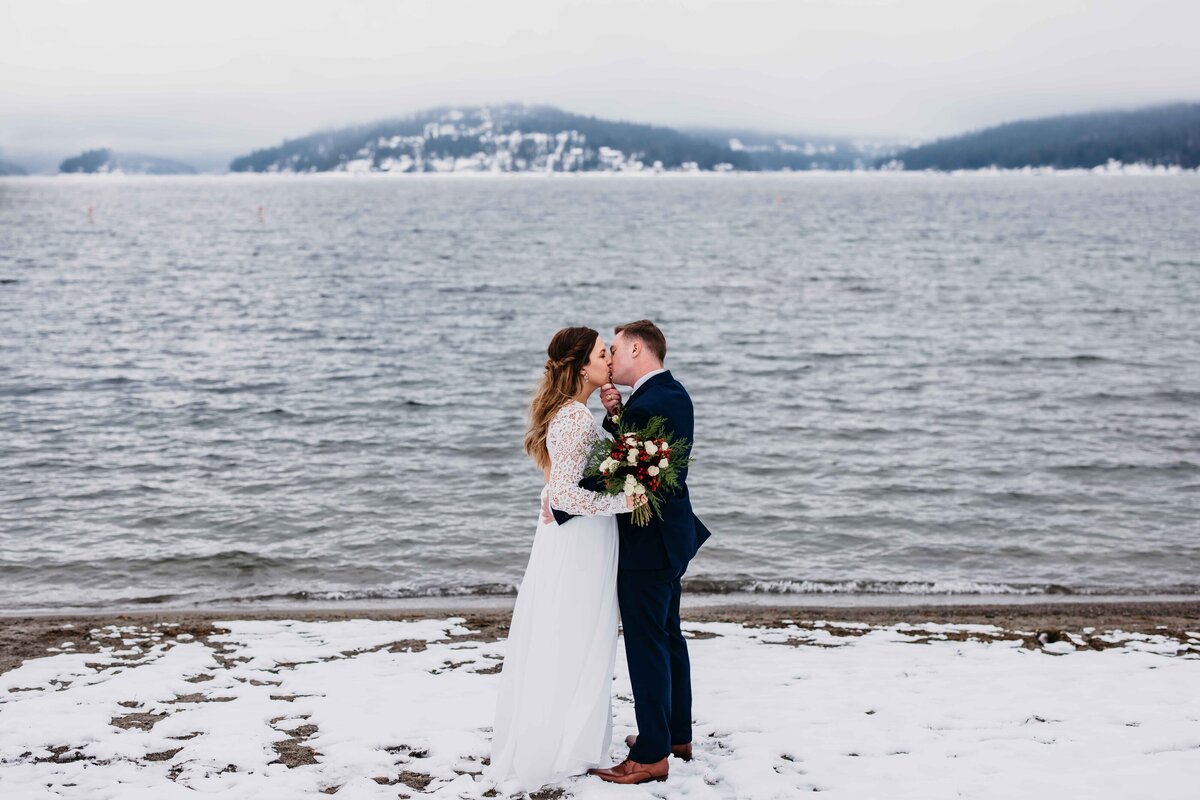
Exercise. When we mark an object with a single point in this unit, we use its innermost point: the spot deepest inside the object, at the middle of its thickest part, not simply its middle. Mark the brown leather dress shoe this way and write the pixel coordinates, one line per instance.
(681, 751)
(633, 772)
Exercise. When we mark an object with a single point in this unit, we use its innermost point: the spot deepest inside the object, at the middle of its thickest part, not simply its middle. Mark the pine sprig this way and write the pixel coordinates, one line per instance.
(652, 446)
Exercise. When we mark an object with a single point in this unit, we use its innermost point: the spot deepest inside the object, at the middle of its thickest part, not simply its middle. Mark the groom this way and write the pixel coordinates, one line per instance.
(651, 561)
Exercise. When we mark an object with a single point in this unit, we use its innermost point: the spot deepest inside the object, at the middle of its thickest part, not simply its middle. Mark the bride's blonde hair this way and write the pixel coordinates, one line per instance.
(569, 352)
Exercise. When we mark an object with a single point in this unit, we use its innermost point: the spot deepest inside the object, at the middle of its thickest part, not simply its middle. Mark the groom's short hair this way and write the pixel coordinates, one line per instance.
(648, 333)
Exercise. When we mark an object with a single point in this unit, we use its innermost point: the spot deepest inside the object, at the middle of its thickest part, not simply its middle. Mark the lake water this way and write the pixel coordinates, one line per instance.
(266, 389)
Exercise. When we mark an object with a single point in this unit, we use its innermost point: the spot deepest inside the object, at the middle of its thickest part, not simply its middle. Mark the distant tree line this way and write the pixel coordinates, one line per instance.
(105, 160)
(1166, 135)
(87, 161)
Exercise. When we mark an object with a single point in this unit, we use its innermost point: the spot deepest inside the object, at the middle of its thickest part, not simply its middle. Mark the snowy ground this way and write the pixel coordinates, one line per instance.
(369, 708)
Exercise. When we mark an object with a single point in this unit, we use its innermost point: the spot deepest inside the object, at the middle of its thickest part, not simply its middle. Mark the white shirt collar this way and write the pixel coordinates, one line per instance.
(647, 376)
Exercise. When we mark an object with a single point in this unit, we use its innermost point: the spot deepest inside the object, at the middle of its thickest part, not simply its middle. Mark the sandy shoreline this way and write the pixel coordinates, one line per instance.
(31, 636)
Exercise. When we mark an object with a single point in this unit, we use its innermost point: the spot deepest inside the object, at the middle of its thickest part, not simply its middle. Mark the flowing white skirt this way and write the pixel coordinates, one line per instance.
(554, 706)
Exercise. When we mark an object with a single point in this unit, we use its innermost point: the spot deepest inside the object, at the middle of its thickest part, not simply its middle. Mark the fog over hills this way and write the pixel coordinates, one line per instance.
(9, 168)
(515, 137)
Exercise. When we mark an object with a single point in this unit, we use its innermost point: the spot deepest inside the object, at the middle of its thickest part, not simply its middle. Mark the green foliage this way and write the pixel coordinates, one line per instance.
(669, 477)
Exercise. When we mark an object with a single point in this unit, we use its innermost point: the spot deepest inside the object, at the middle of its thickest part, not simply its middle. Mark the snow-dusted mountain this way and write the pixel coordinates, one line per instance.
(519, 138)
(506, 138)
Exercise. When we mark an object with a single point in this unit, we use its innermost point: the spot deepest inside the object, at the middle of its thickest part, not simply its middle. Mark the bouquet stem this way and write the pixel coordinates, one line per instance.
(641, 516)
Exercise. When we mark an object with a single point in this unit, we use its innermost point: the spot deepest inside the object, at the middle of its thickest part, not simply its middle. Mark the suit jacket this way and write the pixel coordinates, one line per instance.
(674, 539)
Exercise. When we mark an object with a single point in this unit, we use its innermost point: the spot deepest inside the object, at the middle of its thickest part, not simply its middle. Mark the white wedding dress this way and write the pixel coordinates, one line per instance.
(554, 706)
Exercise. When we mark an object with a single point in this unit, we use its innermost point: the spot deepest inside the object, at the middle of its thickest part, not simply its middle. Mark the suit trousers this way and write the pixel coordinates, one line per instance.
(656, 652)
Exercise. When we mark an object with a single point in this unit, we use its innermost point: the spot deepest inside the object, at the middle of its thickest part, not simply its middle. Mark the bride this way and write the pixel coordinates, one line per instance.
(554, 708)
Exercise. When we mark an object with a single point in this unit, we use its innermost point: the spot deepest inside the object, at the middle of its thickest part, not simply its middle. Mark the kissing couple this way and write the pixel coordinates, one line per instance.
(588, 562)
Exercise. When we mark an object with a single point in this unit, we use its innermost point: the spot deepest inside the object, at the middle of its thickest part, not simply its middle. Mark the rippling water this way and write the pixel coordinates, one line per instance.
(313, 387)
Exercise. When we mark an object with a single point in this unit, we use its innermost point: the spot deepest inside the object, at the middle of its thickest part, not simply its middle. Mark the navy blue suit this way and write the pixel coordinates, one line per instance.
(651, 562)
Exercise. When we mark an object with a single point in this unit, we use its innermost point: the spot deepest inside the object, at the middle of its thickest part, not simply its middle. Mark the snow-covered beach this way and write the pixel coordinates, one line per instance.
(997, 701)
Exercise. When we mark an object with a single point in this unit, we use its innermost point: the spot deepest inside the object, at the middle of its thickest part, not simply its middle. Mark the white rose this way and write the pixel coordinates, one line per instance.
(630, 482)
(652, 471)
(607, 465)
(632, 457)
(663, 463)
(651, 448)
(639, 489)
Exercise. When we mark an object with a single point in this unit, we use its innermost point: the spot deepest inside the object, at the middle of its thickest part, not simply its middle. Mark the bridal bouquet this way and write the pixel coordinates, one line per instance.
(645, 461)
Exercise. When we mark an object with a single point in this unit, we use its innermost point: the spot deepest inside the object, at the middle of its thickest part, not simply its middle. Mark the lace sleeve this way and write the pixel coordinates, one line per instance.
(569, 440)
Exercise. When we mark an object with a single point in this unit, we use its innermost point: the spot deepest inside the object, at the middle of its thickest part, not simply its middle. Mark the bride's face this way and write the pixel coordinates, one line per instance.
(595, 372)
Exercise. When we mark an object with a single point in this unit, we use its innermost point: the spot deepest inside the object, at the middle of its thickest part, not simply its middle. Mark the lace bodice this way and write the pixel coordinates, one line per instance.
(569, 440)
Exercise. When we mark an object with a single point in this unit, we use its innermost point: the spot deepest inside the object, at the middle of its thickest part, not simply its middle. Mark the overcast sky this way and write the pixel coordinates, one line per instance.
(209, 80)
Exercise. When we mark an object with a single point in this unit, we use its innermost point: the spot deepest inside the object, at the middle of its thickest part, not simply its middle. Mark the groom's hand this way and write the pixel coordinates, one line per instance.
(610, 396)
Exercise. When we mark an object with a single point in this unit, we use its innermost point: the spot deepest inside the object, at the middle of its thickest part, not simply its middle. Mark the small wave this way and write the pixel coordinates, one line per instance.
(1110, 467)
(382, 593)
(243, 387)
(802, 586)
(829, 355)
(1021, 360)
(219, 563)
(1184, 396)
(1079, 358)
(17, 390)
(480, 288)
(870, 433)
(149, 600)
(713, 586)
(115, 380)
(1177, 396)
(696, 587)
(278, 413)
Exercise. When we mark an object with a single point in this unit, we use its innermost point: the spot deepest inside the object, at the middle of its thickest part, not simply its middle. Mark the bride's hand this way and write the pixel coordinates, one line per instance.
(632, 501)
(610, 396)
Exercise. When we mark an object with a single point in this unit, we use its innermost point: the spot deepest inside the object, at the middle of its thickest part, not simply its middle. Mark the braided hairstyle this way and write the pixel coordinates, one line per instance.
(569, 352)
